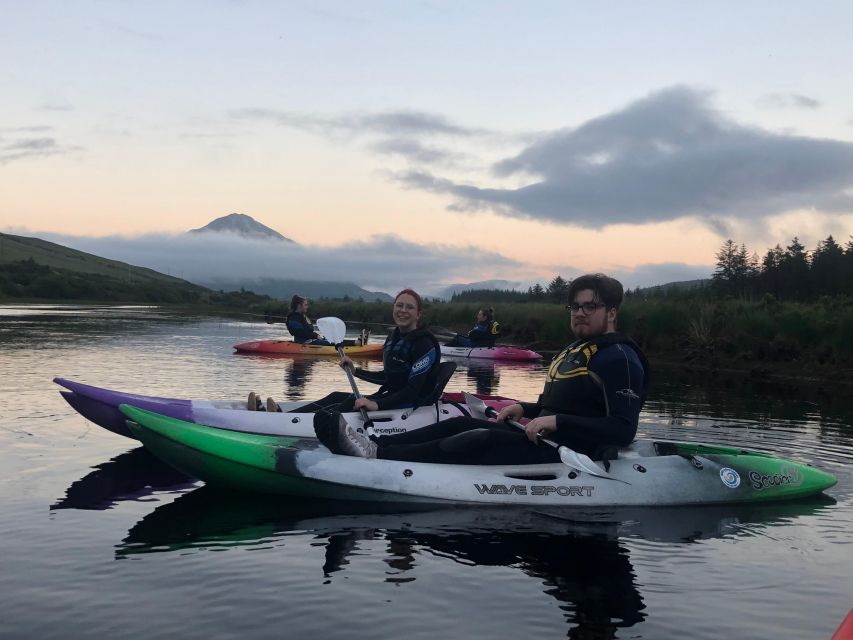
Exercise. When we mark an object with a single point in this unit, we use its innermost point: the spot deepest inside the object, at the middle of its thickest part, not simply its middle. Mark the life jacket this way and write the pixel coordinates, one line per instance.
(485, 334)
(572, 388)
(397, 360)
(299, 326)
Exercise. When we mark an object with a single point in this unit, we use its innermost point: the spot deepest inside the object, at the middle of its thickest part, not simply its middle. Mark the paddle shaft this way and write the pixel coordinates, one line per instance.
(352, 384)
(492, 413)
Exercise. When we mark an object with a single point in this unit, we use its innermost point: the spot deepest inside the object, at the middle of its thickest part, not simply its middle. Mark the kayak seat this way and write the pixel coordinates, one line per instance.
(444, 373)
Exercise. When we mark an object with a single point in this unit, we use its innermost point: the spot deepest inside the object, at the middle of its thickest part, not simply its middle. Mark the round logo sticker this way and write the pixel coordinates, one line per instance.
(730, 477)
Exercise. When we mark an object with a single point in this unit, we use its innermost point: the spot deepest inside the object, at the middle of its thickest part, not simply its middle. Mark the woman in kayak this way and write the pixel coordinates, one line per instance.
(300, 326)
(484, 333)
(594, 390)
(410, 357)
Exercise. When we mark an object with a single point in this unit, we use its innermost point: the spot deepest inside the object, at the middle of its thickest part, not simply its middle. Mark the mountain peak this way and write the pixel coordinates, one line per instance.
(243, 225)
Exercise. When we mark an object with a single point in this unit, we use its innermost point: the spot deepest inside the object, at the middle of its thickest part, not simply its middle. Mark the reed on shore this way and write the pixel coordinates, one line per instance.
(718, 331)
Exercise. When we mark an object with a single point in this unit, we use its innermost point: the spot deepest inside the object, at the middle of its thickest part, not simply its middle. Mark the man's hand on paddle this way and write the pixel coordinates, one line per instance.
(540, 427)
(510, 412)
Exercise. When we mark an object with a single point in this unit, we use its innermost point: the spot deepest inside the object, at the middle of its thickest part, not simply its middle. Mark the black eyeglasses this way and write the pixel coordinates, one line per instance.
(588, 307)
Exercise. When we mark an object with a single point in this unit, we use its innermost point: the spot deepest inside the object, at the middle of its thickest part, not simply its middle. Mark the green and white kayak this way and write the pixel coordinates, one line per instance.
(648, 473)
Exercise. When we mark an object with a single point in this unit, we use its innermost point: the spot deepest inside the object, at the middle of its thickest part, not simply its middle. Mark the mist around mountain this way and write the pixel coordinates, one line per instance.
(242, 225)
(285, 288)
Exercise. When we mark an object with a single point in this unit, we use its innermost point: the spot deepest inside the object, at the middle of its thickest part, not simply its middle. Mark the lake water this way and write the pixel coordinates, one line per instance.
(97, 539)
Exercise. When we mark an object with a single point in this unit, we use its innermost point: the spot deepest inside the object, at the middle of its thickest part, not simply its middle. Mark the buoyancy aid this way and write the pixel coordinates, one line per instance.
(572, 388)
(401, 364)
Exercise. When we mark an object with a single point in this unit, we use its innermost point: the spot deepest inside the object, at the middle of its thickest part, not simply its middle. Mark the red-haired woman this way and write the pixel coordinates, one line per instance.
(410, 358)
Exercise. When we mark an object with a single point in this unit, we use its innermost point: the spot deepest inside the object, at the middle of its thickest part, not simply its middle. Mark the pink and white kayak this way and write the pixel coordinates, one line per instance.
(498, 352)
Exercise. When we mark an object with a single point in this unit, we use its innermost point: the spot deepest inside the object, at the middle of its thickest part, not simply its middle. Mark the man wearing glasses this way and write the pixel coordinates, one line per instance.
(594, 390)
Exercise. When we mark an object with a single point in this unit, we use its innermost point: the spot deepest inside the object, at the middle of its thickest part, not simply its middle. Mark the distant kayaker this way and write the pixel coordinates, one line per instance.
(300, 326)
(410, 357)
(594, 390)
(483, 334)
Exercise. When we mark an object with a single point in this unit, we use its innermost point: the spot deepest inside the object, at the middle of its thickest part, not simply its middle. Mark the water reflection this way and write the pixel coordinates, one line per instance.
(296, 376)
(485, 374)
(580, 556)
(587, 572)
(129, 476)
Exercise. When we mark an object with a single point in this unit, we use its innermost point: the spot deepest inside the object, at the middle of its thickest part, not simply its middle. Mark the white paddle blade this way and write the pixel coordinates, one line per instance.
(477, 406)
(581, 462)
(333, 329)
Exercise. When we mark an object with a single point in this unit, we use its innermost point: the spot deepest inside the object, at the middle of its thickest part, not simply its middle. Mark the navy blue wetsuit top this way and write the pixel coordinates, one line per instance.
(409, 361)
(596, 395)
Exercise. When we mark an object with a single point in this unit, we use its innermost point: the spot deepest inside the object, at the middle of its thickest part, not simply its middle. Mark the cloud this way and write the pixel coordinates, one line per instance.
(23, 148)
(391, 123)
(417, 137)
(667, 156)
(787, 101)
(386, 263)
(414, 151)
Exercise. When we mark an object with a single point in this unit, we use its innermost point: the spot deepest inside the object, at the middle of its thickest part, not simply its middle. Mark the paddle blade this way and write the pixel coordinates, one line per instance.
(581, 462)
(334, 329)
(478, 407)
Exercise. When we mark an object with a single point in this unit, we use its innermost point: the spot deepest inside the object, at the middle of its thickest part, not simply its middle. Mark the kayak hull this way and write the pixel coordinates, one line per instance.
(288, 346)
(491, 353)
(101, 406)
(649, 473)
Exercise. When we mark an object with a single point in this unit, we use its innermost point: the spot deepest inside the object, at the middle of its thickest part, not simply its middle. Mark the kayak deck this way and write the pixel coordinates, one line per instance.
(649, 473)
(296, 348)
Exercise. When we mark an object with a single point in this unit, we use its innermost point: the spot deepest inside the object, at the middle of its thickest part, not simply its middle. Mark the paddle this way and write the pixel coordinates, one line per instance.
(441, 333)
(573, 459)
(334, 331)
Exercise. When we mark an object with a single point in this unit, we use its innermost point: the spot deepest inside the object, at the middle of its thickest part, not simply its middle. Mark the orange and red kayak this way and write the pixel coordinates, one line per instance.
(288, 346)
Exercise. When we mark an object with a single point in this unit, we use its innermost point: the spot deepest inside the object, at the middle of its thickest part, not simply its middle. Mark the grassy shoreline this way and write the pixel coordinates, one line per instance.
(766, 340)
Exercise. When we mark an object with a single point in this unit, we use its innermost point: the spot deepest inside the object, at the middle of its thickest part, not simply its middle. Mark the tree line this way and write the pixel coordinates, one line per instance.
(790, 273)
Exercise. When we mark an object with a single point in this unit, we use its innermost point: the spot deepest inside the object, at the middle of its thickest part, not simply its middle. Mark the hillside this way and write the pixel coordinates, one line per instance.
(34, 268)
(17, 248)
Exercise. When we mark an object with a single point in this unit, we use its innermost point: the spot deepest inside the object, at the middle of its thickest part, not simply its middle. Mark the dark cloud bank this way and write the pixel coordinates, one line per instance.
(664, 157)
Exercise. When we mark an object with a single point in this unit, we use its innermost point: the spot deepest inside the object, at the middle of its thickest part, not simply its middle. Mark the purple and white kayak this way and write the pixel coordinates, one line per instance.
(499, 352)
(100, 406)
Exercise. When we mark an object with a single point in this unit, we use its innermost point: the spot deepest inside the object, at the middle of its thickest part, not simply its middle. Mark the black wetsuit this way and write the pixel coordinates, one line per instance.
(596, 389)
(408, 378)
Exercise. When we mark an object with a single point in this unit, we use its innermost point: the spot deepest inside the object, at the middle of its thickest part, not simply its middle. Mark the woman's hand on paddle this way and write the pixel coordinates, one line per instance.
(540, 427)
(370, 405)
(345, 362)
(510, 412)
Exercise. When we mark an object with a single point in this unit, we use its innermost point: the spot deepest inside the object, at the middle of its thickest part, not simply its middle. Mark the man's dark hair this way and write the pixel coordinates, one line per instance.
(608, 290)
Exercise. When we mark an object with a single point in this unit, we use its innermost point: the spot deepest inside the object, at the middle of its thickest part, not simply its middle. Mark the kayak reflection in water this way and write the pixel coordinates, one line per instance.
(483, 334)
(300, 326)
(593, 393)
(410, 359)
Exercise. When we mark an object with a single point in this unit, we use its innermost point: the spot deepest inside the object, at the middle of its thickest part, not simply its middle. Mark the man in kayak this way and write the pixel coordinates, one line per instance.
(484, 333)
(300, 326)
(410, 357)
(594, 390)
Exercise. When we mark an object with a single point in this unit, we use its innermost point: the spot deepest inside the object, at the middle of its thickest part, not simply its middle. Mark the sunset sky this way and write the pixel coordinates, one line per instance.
(425, 143)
